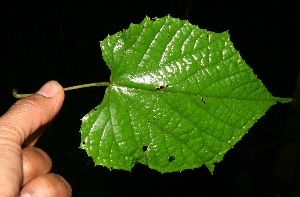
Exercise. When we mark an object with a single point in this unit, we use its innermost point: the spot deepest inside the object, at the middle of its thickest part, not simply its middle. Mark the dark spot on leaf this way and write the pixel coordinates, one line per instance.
(145, 148)
(161, 87)
(171, 158)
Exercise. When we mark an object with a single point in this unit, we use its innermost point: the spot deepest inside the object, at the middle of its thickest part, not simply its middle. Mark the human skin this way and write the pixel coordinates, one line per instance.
(24, 169)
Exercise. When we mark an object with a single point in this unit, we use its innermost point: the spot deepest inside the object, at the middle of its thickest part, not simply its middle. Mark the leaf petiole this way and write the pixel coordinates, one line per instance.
(17, 95)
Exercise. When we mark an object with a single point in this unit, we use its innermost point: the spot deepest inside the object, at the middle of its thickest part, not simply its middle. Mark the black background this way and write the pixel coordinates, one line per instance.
(43, 40)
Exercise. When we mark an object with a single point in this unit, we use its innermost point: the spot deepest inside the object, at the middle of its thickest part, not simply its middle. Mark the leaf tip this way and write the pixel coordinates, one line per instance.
(283, 100)
(210, 167)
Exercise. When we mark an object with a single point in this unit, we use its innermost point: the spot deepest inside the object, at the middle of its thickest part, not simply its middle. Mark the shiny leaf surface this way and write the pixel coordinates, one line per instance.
(180, 97)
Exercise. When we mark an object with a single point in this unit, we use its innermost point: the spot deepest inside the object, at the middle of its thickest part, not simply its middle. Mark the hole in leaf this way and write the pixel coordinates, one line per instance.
(145, 148)
(203, 100)
(171, 158)
(161, 87)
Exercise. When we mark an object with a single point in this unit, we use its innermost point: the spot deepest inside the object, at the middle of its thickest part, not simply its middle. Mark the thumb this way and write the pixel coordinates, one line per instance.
(17, 124)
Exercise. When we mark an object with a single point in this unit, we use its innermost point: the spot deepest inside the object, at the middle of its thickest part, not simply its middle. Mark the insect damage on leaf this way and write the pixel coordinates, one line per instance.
(179, 97)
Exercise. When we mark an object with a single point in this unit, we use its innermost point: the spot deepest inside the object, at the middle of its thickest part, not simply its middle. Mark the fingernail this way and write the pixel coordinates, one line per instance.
(25, 195)
(49, 89)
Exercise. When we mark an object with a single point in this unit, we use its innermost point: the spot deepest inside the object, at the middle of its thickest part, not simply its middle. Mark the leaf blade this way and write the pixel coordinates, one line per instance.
(182, 92)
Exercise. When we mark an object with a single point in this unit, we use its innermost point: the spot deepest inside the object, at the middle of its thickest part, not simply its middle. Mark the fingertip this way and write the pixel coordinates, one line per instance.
(65, 183)
(47, 185)
(50, 89)
(36, 162)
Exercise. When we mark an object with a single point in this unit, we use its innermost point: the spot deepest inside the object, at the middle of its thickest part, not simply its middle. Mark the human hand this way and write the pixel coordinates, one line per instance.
(24, 169)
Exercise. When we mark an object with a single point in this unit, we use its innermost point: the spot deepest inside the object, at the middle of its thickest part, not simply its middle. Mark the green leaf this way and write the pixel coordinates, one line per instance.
(180, 97)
